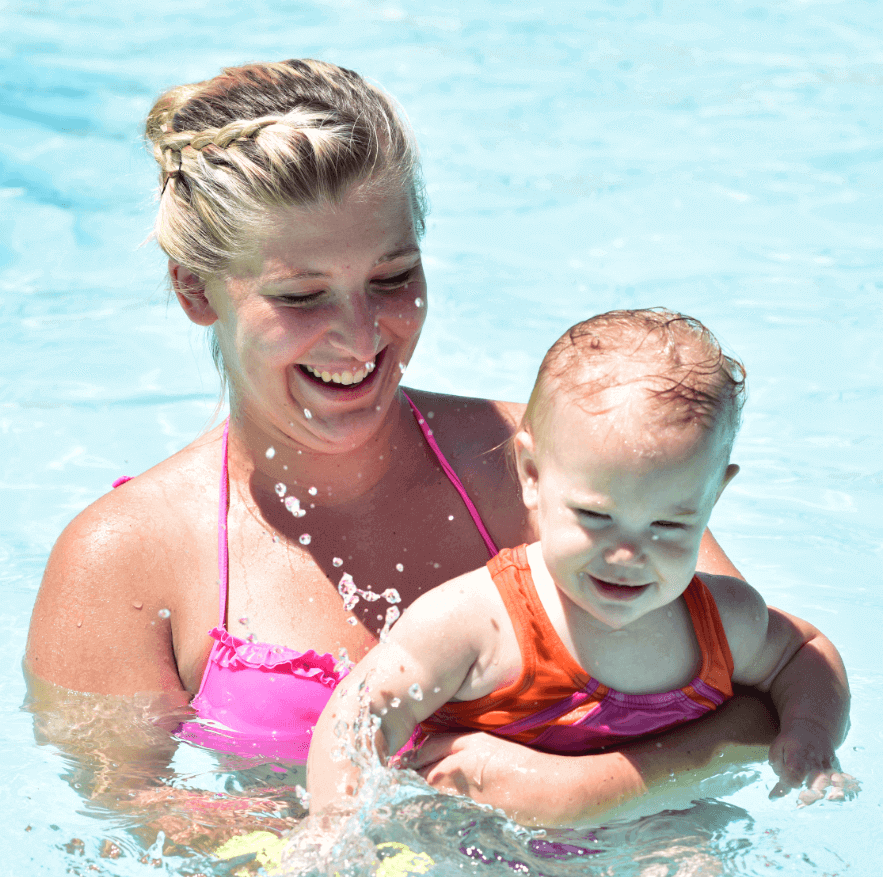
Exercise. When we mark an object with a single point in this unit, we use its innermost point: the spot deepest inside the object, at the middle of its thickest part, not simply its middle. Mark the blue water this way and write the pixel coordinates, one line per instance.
(723, 159)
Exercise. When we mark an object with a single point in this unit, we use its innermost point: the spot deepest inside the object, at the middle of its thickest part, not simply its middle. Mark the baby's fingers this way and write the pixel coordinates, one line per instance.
(834, 786)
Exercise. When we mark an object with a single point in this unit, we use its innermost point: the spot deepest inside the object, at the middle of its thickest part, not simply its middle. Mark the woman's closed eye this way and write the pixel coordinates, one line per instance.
(397, 281)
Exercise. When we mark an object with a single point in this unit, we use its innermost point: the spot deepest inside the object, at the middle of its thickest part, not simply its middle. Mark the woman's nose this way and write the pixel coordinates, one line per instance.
(358, 330)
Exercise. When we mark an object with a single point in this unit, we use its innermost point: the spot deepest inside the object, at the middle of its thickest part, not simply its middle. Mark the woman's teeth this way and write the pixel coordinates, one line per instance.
(346, 377)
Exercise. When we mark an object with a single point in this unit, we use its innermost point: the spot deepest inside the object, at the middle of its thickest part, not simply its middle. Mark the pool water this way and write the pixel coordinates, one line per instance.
(722, 159)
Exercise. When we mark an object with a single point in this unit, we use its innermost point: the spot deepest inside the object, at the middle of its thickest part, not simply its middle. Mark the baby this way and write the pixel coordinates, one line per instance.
(602, 631)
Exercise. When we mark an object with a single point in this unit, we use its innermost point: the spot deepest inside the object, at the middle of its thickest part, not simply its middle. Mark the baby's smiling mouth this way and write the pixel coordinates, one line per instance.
(341, 377)
(614, 589)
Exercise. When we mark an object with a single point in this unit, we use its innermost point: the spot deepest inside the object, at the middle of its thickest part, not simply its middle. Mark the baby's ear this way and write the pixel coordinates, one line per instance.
(190, 292)
(730, 473)
(526, 465)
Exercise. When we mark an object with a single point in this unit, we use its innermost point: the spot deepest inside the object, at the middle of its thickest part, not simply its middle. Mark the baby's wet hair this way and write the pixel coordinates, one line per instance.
(673, 358)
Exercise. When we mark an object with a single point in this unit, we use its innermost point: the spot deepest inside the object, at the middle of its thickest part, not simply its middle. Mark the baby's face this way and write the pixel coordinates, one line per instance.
(622, 504)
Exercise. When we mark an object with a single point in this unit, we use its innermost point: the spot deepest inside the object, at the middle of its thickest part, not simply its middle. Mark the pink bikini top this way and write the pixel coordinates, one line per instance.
(262, 699)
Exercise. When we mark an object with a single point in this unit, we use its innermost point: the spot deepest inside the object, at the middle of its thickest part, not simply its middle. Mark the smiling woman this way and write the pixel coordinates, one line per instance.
(316, 327)
(290, 211)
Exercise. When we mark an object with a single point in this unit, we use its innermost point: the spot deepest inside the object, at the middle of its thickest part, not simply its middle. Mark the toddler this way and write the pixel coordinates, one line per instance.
(602, 630)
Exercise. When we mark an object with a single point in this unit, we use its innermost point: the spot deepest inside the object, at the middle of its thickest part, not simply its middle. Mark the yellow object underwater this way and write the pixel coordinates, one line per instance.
(266, 848)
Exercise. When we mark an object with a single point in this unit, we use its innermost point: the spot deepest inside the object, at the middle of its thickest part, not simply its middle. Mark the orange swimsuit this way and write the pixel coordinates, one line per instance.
(555, 705)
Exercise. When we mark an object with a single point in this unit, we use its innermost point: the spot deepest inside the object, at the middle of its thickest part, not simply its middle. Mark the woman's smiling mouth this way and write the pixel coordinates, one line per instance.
(340, 378)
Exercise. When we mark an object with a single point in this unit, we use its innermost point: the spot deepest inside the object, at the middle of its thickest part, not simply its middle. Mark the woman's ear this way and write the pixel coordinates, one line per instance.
(526, 466)
(190, 292)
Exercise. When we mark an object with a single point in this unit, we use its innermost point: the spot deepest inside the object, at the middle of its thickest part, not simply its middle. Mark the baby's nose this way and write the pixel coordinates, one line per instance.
(624, 554)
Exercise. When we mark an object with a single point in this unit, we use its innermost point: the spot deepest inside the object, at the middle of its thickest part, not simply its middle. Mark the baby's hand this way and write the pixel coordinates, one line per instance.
(803, 755)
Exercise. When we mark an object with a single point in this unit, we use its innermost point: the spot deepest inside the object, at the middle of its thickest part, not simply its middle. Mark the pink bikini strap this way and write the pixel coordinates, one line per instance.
(453, 478)
(223, 509)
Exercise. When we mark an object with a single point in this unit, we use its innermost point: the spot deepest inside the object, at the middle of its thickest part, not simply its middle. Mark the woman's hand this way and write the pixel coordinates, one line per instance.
(538, 788)
(532, 787)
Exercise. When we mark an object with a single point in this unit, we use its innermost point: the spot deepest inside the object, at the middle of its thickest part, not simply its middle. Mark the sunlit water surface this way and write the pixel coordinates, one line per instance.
(723, 159)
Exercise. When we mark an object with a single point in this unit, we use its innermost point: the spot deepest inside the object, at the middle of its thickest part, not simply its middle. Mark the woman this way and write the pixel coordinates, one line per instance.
(291, 213)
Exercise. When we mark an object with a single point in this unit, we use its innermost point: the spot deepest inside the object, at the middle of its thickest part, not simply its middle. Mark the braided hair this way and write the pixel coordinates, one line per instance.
(267, 136)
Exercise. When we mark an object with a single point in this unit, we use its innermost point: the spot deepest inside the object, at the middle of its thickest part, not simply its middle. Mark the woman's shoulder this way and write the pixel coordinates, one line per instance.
(137, 532)
(468, 423)
(474, 435)
(118, 573)
(164, 496)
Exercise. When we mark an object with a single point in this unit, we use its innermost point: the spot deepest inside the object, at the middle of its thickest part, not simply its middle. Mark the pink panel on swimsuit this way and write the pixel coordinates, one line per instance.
(271, 695)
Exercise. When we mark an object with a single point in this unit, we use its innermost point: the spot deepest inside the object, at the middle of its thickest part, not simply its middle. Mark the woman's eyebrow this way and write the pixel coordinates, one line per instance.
(405, 250)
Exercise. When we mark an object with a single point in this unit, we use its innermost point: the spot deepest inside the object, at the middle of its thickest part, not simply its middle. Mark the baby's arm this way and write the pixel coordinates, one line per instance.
(431, 652)
(805, 677)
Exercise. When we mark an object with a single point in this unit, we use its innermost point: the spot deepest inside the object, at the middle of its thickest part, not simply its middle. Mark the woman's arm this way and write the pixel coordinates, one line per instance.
(537, 788)
(712, 558)
(102, 622)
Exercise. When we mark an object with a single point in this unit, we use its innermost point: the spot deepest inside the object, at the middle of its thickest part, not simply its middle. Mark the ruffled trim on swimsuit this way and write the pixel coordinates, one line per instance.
(238, 653)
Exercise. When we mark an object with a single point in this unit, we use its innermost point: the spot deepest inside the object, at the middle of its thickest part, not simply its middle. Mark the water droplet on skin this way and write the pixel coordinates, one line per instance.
(392, 615)
(271, 452)
(308, 414)
(305, 539)
(313, 491)
(164, 613)
(292, 503)
(337, 562)
(418, 302)
(352, 621)
(251, 637)
(395, 703)
(416, 692)
(391, 595)
(402, 367)
(244, 620)
(436, 690)
(400, 567)
(280, 489)
(137, 605)
(80, 622)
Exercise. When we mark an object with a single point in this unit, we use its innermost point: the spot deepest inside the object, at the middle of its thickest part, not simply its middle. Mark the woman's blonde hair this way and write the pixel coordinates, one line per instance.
(267, 136)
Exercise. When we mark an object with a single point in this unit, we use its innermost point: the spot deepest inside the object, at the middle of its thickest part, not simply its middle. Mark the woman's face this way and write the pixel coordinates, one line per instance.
(317, 326)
